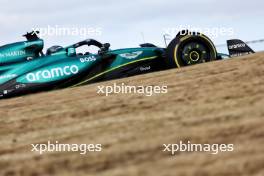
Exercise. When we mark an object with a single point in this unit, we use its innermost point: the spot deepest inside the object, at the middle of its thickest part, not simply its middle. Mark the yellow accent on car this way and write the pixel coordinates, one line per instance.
(198, 56)
(112, 69)
(175, 57)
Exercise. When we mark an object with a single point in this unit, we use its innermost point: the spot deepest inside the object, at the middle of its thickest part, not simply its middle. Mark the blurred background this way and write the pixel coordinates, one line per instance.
(129, 23)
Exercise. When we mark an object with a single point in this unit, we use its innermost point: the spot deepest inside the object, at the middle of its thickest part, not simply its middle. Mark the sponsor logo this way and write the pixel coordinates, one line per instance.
(132, 55)
(145, 68)
(20, 86)
(88, 59)
(13, 53)
(5, 92)
(241, 54)
(53, 73)
(8, 76)
(240, 45)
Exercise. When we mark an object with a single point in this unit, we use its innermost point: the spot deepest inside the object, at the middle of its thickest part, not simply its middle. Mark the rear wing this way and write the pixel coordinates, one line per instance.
(237, 48)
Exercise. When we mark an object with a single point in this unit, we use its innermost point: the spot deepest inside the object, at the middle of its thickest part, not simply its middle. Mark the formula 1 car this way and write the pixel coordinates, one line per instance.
(24, 68)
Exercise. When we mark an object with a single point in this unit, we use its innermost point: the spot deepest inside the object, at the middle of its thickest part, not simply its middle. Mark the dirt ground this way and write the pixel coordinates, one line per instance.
(220, 102)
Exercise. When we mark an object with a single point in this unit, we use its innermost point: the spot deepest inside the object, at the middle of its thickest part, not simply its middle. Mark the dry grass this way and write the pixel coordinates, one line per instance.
(220, 102)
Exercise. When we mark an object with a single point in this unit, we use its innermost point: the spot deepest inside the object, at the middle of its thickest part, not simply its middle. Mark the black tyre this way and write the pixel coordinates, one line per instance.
(190, 49)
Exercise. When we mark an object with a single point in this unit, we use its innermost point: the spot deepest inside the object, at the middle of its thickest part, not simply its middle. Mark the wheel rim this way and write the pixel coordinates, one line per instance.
(194, 56)
(194, 53)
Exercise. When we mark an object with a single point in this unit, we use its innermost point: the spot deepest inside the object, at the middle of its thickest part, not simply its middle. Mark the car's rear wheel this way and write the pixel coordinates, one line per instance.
(190, 49)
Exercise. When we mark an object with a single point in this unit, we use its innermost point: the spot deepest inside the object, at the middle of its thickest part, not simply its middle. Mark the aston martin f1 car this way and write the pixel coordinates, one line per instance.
(24, 68)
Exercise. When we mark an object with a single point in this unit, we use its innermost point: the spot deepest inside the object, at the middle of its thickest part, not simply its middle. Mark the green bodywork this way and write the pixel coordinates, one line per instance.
(18, 52)
(26, 67)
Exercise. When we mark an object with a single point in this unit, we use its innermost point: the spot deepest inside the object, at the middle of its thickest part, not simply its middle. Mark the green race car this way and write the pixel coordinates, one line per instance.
(24, 68)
